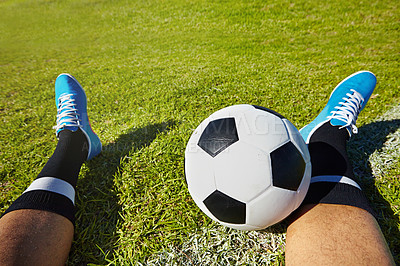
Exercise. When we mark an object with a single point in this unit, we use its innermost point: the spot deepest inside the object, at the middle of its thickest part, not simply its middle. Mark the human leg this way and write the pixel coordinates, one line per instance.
(336, 224)
(37, 229)
(34, 237)
(332, 234)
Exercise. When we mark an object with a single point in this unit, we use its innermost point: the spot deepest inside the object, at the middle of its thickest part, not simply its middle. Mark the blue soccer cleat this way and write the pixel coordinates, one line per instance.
(345, 103)
(72, 112)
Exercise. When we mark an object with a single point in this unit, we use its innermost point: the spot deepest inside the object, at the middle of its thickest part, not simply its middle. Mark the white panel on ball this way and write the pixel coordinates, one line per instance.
(242, 171)
(261, 129)
(270, 207)
(201, 182)
(231, 111)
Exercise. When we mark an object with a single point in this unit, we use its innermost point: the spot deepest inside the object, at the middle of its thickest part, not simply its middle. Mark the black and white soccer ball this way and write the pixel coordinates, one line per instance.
(247, 167)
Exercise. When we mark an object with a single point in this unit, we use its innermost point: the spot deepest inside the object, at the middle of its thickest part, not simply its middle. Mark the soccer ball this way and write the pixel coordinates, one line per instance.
(247, 167)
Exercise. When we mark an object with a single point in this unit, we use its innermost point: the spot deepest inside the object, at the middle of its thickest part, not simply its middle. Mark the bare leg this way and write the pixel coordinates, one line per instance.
(34, 237)
(329, 234)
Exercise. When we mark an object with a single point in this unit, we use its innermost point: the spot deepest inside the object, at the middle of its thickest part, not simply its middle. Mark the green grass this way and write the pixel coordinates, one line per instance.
(153, 70)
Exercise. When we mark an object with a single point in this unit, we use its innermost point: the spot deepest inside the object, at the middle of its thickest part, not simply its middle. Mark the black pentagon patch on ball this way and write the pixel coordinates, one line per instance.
(287, 167)
(225, 208)
(218, 135)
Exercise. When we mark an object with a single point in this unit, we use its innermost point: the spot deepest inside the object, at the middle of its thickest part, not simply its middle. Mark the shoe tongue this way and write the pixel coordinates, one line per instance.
(336, 122)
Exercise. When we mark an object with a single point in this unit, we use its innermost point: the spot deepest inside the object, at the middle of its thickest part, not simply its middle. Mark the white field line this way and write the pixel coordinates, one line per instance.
(388, 157)
(218, 245)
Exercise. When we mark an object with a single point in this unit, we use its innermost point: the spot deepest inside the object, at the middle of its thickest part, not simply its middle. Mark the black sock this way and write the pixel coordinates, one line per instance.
(329, 158)
(67, 159)
(54, 188)
(328, 152)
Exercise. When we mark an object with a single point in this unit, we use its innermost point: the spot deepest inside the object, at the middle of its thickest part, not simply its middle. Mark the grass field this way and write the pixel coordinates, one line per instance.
(153, 70)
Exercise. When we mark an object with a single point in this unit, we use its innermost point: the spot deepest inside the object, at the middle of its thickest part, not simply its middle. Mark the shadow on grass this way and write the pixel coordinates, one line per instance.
(370, 138)
(97, 201)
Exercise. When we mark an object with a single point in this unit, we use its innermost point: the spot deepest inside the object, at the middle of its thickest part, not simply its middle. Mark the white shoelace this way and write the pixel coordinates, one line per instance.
(349, 110)
(66, 112)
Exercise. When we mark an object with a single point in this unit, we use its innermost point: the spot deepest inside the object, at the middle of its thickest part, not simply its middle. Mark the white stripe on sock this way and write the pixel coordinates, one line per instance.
(335, 179)
(55, 185)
